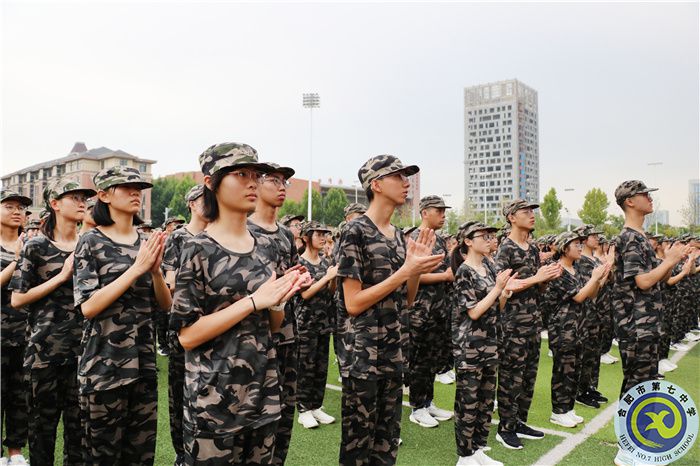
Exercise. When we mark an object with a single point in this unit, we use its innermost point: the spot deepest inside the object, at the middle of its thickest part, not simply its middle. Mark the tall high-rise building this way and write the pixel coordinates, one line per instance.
(694, 200)
(501, 145)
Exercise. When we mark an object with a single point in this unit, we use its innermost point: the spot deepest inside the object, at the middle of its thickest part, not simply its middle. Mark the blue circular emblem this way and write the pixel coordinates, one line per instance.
(656, 422)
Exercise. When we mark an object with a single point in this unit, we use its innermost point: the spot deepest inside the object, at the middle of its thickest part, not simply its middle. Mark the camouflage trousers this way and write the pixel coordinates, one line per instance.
(252, 447)
(590, 354)
(640, 362)
(161, 322)
(120, 424)
(566, 370)
(425, 337)
(313, 370)
(443, 354)
(517, 372)
(371, 426)
(474, 397)
(287, 361)
(13, 398)
(666, 319)
(607, 330)
(54, 392)
(176, 381)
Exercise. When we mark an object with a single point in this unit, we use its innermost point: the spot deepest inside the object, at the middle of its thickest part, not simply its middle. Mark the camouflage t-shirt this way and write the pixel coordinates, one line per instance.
(521, 315)
(317, 314)
(279, 248)
(14, 322)
(231, 381)
(173, 249)
(55, 325)
(377, 334)
(566, 315)
(636, 312)
(431, 298)
(475, 341)
(118, 345)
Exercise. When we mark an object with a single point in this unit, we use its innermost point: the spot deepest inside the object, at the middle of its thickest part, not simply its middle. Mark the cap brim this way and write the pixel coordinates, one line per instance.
(137, 184)
(287, 172)
(408, 171)
(262, 167)
(648, 190)
(87, 191)
(24, 200)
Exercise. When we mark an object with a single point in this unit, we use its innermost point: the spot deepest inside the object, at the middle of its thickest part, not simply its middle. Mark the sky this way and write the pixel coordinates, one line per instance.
(617, 85)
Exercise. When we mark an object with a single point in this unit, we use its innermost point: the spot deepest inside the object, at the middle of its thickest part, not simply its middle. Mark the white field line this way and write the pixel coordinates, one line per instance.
(559, 452)
(494, 422)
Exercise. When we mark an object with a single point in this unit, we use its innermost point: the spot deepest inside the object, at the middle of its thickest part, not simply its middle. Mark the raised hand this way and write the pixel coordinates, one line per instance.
(67, 270)
(419, 254)
(548, 272)
(676, 252)
(149, 253)
(19, 245)
(332, 272)
(276, 290)
(502, 278)
(600, 271)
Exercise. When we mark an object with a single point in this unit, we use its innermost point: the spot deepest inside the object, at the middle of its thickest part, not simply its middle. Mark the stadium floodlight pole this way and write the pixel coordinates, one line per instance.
(311, 101)
(568, 214)
(355, 185)
(656, 216)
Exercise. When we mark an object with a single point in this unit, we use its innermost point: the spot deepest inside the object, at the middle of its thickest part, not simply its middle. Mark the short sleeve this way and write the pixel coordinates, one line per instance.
(25, 277)
(171, 255)
(466, 292)
(86, 280)
(189, 297)
(351, 262)
(503, 257)
(633, 260)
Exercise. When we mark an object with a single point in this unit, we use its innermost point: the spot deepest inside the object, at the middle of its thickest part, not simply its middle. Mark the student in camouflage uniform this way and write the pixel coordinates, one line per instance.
(380, 271)
(315, 316)
(227, 304)
(475, 336)
(118, 286)
(272, 192)
(521, 325)
(88, 222)
(566, 297)
(636, 292)
(593, 310)
(13, 406)
(428, 322)
(43, 282)
(170, 225)
(176, 361)
(294, 223)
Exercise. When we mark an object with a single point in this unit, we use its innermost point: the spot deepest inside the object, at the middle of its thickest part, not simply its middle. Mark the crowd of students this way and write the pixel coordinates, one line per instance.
(245, 306)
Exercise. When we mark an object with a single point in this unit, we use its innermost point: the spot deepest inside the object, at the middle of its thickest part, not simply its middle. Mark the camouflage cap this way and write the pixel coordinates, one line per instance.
(170, 220)
(91, 203)
(287, 219)
(145, 225)
(565, 238)
(114, 176)
(195, 192)
(474, 227)
(354, 208)
(7, 195)
(587, 230)
(33, 225)
(336, 233)
(408, 230)
(44, 214)
(432, 201)
(631, 188)
(230, 155)
(62, 186)
(313, 225)
(602, 239)
(516, 205)
(287, 172)
(383, 165)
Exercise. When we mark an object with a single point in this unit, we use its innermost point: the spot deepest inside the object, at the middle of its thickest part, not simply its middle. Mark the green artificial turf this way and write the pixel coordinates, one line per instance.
(427, 447)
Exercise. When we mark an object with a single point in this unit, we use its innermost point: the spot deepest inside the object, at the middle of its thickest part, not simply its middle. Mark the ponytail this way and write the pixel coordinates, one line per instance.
(457, 256)
(49, 225)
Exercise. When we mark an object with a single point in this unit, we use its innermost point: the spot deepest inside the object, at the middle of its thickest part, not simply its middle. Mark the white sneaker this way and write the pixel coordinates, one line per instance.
(622, 458)
(472, 460)
(485, 449)
(608, 358)
(322, 417)
(423, 418)
(453, 375)
(666, 366)
(562, 420)
(308, 420)
(550, 354)
(615, 342)
(692, 336)
(406, 390)
(340, 379)
(18, 460)
(484, 460)
(575, 417)
(679, 347)
(439, 414)
(444, 378)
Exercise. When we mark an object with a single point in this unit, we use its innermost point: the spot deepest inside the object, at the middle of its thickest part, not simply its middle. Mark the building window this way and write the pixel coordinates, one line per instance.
(123, 162)
(143, 168)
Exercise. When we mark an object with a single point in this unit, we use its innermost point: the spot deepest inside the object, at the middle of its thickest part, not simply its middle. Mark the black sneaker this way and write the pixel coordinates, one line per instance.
(596, 395)
(588, 400)
(509, 440)
(524, 431)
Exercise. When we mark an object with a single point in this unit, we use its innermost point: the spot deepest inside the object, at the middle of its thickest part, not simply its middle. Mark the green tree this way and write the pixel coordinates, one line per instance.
(550, 209)
(595, 208)
(452, 221)
(170, 193)
(177, 205)
(334, 203)
(291, 207)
